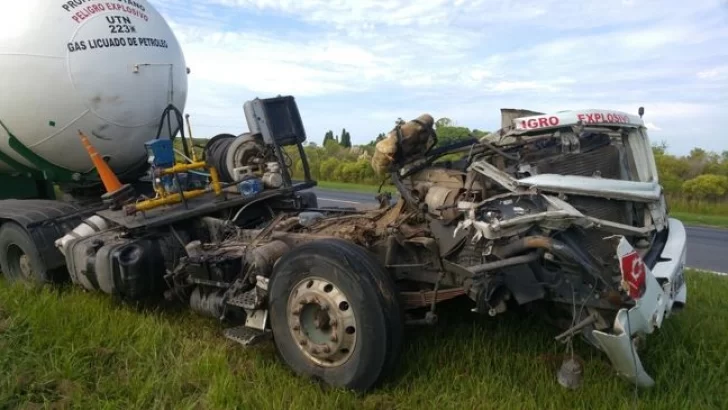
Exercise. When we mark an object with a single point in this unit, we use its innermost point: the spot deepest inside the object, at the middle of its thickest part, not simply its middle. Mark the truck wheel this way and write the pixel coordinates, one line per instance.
(19, 257)
(335, 314)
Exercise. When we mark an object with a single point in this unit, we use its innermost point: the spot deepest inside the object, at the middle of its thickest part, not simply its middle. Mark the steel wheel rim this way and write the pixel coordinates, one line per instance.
(19, 263)
(322, 322)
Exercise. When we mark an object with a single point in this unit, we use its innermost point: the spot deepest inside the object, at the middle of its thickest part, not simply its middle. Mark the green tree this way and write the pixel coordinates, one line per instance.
(328, 137)
(448, 135)
(332, 148)
(701, 162)
(328, 167)
(444, 122)
(707, 187)
(479, 134)
(380, 137)
(345, 138)
(672, 171)
(314, 156)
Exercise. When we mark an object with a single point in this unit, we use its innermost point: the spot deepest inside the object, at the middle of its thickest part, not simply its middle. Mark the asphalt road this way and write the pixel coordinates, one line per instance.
(707, 247)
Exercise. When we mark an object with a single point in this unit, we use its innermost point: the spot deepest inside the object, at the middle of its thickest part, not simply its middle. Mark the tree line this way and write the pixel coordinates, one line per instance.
(695, 182)
(337, 160)
(344, 140)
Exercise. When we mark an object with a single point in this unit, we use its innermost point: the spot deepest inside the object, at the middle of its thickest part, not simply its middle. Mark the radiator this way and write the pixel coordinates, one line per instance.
(603, 161)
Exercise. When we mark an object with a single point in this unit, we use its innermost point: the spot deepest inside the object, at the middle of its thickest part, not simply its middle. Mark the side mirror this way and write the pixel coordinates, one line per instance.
(641, 111)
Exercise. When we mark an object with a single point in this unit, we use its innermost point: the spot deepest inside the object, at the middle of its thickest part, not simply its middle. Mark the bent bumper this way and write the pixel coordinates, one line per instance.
(664, 285)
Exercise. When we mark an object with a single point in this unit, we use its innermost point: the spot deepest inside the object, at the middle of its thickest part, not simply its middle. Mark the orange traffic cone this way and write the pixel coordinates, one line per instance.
(116, 194)
(109, 179)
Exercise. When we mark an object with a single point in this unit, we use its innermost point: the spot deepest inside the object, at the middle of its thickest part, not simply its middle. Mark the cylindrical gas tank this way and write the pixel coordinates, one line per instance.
(106, 67)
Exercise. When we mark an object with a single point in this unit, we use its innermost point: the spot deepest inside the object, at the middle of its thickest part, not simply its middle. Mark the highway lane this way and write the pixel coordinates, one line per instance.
(707, 247)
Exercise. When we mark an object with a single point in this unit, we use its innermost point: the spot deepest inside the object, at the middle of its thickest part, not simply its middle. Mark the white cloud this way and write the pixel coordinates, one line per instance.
(358, 13)
(716, 73)
(425, 13)
(652, 126)
(267, 64)
(381, 59)
(674, 109)
(522, 86)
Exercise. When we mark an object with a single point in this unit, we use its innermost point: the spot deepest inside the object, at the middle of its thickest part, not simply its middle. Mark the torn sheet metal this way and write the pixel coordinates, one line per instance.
(485, 168)
(559, 215)
(653, 303)
(595, 187)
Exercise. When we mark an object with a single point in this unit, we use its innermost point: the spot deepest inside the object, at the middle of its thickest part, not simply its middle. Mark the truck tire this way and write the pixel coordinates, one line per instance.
(335, 314)
(19, 257)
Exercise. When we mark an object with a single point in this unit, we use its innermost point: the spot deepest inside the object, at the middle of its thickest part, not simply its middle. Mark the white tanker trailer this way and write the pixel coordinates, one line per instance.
(91, 98)
(106, 67)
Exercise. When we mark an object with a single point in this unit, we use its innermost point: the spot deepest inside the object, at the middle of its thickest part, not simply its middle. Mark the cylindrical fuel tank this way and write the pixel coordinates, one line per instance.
(106, 67)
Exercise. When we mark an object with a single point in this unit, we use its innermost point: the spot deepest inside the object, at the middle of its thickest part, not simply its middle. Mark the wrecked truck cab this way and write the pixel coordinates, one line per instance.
(560, 213)
(587, 182)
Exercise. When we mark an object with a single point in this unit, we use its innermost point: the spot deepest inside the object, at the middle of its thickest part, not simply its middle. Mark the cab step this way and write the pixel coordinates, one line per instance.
(248, 300)
(246, 336)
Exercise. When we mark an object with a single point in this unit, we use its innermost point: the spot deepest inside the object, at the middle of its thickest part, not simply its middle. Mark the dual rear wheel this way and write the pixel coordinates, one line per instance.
(19, 257)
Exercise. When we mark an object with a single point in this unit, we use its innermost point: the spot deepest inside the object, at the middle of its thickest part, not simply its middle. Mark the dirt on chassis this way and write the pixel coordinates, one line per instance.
(563, 212)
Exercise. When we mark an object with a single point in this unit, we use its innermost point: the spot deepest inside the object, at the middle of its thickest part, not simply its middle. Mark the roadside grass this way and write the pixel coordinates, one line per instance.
(64, 348)
(689, 218)
(680, 203)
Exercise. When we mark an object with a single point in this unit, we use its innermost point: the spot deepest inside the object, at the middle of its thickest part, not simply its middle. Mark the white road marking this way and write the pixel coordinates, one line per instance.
(710, 271)
(338, 200)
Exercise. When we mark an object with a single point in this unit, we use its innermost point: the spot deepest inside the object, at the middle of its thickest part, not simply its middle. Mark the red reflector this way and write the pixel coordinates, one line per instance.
(633, 274)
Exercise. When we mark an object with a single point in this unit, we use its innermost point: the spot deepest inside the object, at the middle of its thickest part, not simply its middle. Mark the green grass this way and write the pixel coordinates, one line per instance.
(679, 203)
(689, 218)
(65, 348)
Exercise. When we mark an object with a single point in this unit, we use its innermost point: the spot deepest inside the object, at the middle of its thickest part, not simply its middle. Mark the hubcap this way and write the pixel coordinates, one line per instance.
(322, 322)
(19, 262)
(25, 268)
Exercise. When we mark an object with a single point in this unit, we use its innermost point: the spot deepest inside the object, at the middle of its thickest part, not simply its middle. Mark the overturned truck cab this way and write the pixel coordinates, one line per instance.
(562, 213)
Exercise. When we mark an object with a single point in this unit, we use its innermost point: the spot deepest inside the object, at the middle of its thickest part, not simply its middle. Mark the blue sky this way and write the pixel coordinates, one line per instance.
(363, 64)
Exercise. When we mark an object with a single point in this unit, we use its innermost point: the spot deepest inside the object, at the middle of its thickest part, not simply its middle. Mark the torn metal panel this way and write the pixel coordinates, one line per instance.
(509, 115)
(511, 227)
(653, 303)
(495, 174)
(560, 215)
(596, 187)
